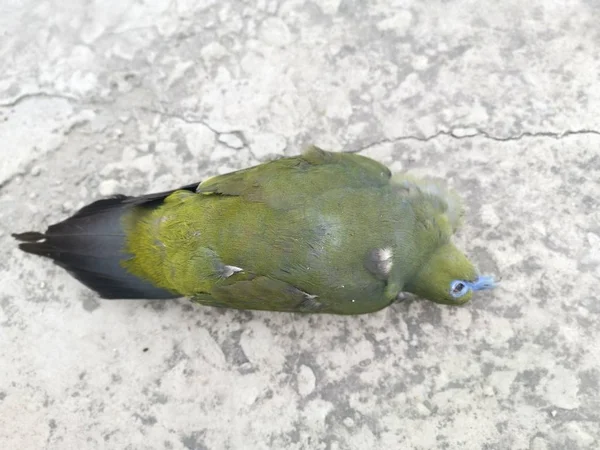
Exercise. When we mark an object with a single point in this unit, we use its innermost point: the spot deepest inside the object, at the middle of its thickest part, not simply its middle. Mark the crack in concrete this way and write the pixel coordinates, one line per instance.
(23, 172)
(457, 133)
(29, 95)
(238, 133)
(481, 134)
(4, 183)
(451, 133)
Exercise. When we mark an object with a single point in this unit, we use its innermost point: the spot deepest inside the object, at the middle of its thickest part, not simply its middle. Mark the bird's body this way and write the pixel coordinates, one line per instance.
(321, 232)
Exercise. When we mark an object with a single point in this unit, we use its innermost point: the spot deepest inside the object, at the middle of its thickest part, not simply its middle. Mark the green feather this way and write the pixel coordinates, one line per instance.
(320, 232)
(447, 200)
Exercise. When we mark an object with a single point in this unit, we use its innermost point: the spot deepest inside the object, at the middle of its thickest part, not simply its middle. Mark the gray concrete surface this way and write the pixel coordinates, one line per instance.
(500, 98)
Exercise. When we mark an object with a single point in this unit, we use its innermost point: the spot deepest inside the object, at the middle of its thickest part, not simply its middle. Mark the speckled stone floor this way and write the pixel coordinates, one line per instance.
(501, 98)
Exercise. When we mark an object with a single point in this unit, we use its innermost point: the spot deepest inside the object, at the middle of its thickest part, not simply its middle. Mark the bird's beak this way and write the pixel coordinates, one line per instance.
(484, 282)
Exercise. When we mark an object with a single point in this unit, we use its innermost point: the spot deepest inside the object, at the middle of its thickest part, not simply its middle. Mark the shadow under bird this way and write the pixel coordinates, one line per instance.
(322, 232)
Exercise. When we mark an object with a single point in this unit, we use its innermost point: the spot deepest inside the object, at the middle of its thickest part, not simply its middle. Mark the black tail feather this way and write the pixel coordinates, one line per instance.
(90, 246)
(29, 236)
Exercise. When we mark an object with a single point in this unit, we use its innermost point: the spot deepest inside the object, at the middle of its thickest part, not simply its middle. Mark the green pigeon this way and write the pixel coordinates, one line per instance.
(322, 232)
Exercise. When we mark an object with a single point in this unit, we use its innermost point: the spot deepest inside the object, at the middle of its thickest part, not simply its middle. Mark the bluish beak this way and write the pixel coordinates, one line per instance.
(482, 283)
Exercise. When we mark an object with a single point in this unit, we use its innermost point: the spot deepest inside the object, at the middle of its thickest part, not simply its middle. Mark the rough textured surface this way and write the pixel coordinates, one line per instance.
(501, 98)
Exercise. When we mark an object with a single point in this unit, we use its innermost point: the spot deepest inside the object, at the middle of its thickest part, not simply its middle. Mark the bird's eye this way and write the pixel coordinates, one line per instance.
(458, 288)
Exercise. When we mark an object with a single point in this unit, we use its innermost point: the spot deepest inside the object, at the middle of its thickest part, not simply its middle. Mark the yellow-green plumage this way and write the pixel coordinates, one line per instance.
(308, 223)
(320, 232)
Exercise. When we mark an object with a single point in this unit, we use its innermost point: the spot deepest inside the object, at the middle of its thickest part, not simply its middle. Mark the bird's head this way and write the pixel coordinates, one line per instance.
(448, 277)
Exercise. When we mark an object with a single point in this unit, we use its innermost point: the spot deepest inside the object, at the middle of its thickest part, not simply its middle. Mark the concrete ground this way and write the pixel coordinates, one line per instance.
(500, 98)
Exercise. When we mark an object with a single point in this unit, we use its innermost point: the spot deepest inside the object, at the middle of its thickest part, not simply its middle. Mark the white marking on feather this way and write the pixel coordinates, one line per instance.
(385, 260)
(230, 270)
(310, 301)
